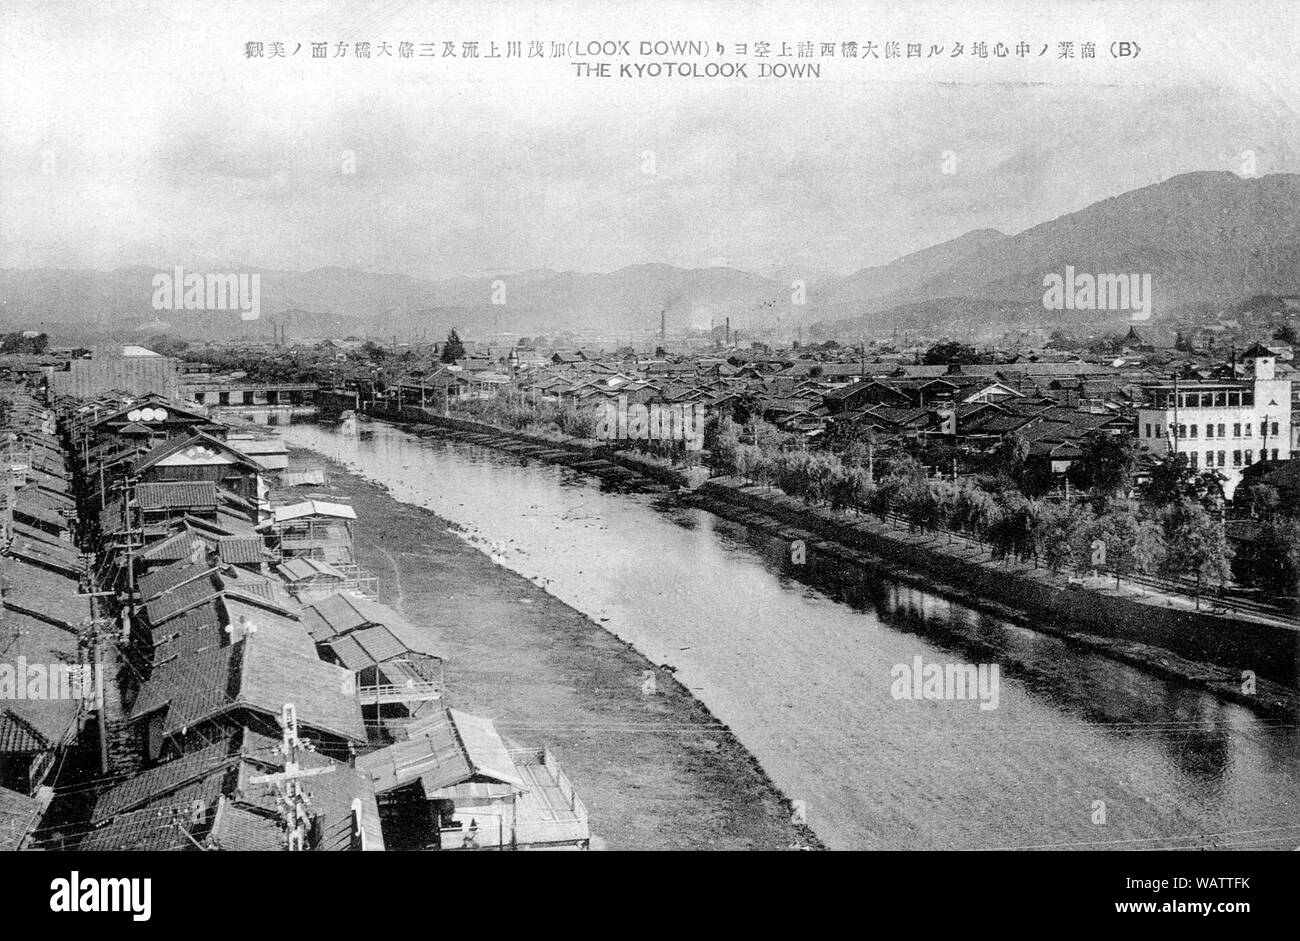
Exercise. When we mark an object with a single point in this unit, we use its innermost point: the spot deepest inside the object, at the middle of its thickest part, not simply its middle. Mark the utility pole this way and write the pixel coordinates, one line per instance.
(94, 640)
(1173, 429)
(290, 796)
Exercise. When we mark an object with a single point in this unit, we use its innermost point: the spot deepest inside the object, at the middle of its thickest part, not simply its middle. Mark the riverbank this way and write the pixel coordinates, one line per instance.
(1163, 634)
(1169, 642)
(654, 767)
(799, 662)
(627, 468)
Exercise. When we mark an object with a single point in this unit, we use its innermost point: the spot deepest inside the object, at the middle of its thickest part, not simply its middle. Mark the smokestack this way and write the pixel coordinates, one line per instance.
(728, 331)
(663, 326)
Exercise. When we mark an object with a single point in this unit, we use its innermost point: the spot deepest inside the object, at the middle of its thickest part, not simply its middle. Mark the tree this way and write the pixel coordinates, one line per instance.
(1286, 334)
(1010, 455)
(1011, 531)
(1271, 561)
(1197, 544)
(21, 342)
(973, 511)
(1059, 531)
(1012, 460)
(1105, 465)
(1174, 479)
(453, 349)
(1264, 501)
(1130, 545)
(950, 351)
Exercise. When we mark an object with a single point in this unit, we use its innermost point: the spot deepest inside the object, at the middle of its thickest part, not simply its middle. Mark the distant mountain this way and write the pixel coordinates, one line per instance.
(905, 274)
(1205, 238)
(631, 298)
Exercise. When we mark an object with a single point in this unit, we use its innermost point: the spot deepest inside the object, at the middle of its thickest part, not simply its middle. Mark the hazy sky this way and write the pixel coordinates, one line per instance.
(137, 133)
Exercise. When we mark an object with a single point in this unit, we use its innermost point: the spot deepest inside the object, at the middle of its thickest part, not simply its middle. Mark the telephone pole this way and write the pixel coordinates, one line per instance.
(290, 796)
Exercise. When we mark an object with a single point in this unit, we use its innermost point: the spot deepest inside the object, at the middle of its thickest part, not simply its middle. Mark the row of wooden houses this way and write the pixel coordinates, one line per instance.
(251, 682)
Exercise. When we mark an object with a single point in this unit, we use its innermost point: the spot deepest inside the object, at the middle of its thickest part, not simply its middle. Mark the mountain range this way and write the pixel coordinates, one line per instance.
(1206, 238)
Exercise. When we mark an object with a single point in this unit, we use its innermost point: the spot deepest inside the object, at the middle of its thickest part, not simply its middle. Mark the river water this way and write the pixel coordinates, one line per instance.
(1080, 751)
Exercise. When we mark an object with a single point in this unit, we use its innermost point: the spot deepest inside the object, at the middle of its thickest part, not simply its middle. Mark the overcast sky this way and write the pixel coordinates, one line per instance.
(137, 133)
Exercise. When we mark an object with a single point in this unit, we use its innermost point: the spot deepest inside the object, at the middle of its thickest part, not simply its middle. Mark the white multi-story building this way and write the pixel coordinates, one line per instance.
(1224, 426)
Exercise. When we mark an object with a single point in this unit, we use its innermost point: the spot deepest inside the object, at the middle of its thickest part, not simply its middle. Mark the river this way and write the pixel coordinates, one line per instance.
(1080, 751)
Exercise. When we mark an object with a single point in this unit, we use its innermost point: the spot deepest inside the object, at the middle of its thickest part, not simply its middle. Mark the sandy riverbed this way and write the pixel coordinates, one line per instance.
(655, 771)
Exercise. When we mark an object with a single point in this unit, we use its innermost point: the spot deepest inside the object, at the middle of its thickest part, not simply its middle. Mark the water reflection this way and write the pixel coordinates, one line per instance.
(797, 660)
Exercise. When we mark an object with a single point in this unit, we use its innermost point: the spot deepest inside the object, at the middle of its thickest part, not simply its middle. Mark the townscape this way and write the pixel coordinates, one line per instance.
(247, 690)
(784, 428)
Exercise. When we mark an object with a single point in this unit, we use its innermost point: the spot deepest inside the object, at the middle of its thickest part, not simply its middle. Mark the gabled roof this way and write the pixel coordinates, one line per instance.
(367, 647)
(196, 441)
(313, 508)
(150, 400)
(342, 612)
(448, 748)
(256, 673)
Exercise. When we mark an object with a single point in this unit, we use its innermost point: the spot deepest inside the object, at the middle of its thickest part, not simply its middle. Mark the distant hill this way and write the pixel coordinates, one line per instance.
(1207, 238)
(1203, 237)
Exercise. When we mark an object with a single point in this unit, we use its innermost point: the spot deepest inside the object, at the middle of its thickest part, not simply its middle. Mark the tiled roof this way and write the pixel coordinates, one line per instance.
(39, 548)
(243, 615)
(179, 495)
(240, 829)
(19, 815)
(192, 689)
(37, 510)
(366, 647)
(17, 737)
(180, 599)
(242, 550)
(344, 611)
(158, 829)
(170, 577)
(164, 781)
(51, 595)
(275, 673)
(258, 673)
(181, 545)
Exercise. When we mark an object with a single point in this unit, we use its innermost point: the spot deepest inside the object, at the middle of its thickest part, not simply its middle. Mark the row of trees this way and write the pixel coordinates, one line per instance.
(24, 342)
(505, 412)
(1175, 537)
